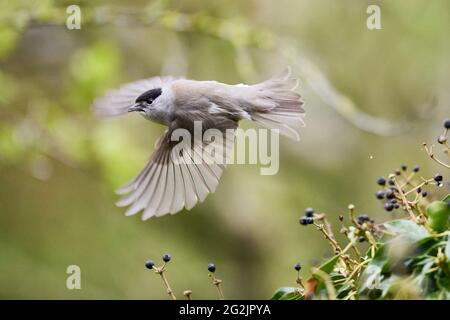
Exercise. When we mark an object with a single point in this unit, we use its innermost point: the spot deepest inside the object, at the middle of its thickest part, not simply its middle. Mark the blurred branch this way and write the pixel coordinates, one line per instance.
(344, 105)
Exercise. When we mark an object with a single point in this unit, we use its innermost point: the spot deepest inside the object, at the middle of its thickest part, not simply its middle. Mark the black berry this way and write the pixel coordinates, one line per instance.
(297, 266)
(212, 267)
(416, 168)
(404, 167)
(424, 194)
(379, 194)
(306, 220)
(388, 206)
(390, 194)
(361, 239)
(166, 257)
(309, 212)
(381, 181)
(391, 182)
(438, 177)
(363, 218)
(447, 124)
(149, 264)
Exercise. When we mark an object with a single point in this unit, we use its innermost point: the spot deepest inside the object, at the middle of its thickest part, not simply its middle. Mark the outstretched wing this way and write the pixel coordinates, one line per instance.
(179, 174)
(116, 102)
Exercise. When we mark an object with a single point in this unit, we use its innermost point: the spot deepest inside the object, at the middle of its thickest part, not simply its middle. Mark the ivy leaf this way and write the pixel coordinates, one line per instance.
(373, 274)
(407, 229)
(328, 266)
(287, 293)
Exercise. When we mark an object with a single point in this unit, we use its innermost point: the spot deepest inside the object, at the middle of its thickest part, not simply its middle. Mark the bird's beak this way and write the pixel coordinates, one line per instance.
(135, 107)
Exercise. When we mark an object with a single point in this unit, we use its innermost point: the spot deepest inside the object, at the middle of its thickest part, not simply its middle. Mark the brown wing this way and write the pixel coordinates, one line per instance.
(179, 174)
(116, 102)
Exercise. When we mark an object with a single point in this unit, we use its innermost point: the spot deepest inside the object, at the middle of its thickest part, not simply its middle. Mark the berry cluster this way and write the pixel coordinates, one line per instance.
(400, 184)
(150, 264)
(405, 188)
(308, 218)
(362, 228)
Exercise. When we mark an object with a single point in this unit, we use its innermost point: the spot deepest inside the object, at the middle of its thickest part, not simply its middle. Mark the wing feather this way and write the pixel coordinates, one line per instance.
(174, 178)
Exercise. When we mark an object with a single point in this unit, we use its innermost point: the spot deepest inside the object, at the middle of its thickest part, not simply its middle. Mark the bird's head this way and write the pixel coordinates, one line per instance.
(145, 101)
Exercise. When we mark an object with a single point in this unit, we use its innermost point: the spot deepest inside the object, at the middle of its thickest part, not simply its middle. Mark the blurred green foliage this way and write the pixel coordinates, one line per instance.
(59, 165)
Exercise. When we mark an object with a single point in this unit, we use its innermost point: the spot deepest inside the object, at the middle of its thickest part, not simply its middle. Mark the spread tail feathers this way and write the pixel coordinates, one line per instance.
(277, 106)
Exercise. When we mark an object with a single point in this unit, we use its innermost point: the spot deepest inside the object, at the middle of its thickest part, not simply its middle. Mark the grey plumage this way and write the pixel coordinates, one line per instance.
(171, 180)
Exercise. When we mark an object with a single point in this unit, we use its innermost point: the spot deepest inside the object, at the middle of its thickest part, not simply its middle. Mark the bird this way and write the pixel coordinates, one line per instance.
(170, 181)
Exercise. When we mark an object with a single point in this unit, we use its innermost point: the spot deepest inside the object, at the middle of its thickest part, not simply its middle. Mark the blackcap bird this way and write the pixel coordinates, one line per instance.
(171, 181)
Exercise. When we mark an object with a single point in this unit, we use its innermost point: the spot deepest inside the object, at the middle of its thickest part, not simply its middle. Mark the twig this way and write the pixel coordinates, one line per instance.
(431, 155)
(405, 201)
(169, 289)
(217, 283)
(160, 271)
(333, 242)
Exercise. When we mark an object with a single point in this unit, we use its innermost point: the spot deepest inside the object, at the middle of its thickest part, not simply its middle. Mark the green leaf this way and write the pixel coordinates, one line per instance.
(292, 296)
(328, 266)
(447, 198)
(373, 274)
(407, 229)
(287, 293)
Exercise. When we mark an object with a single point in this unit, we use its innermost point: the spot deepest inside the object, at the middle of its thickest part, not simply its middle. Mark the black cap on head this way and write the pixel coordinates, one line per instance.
(149, 96)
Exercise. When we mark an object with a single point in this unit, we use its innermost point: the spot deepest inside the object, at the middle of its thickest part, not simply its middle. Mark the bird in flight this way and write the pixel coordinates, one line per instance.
(171, 181)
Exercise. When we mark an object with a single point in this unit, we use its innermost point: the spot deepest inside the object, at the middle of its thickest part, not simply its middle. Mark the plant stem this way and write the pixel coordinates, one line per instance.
(166, 283)
(330, 238)
(216, 283)
(405, 201)
(431, 155)
(359, 266)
